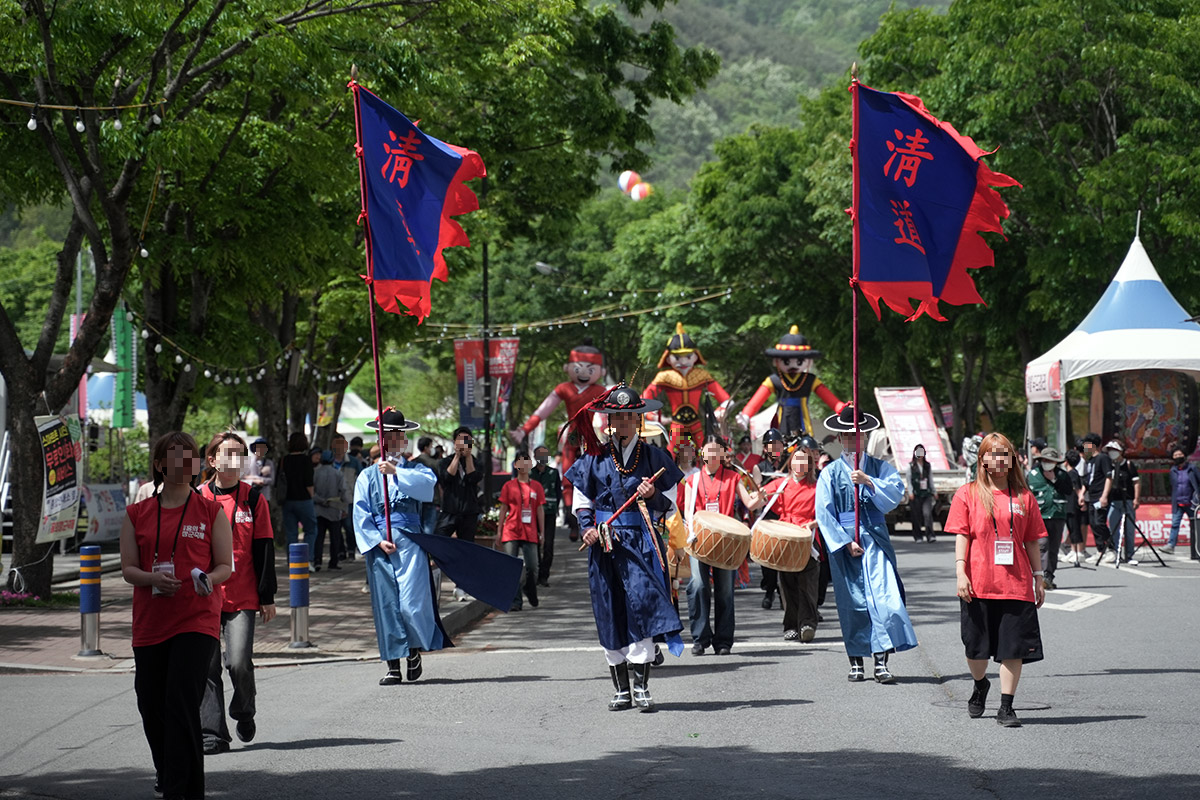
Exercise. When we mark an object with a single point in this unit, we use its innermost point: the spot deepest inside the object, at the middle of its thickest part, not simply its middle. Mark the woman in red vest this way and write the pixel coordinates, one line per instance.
(176, 547)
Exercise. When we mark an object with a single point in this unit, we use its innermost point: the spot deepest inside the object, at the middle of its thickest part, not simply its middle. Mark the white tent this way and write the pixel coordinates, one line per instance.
(1137, 324)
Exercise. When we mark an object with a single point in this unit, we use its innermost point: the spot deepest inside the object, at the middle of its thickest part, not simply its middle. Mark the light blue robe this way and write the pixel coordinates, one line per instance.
(402, 598)
(869, 594)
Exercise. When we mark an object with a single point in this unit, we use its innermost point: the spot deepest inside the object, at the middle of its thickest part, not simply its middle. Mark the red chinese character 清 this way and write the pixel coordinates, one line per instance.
(910, 154)
(401, 157)
(905, 225)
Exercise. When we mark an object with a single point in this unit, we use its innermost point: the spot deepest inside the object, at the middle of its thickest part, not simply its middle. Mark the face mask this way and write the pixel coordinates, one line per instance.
(542, 459)
(1181, 460)
(848, 457)
(918, 453)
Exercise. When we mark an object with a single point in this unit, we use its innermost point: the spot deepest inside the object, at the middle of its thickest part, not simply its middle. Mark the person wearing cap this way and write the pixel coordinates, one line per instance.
(260, 470)
(867, 587)
(792, 384)
(630, 589)
(774, 460)
(1097, 485)
(1051, 486)
(1123, 500)
(796, 504)
(682, 382)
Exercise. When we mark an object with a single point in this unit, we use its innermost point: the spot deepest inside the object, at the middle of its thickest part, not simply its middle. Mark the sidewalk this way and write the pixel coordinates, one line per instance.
(340, 623)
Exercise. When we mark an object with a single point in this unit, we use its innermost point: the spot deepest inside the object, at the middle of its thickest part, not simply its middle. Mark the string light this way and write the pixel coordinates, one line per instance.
(79, 121)
(32, 124)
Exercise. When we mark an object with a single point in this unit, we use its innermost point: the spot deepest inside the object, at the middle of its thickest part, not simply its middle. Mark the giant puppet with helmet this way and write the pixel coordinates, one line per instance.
(585, 383)
(792, 384)
(681, 383)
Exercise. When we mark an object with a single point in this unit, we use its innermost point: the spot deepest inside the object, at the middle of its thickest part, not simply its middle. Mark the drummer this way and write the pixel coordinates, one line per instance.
(772, 461)
(631, 597)
(796, 504)
(713, 490)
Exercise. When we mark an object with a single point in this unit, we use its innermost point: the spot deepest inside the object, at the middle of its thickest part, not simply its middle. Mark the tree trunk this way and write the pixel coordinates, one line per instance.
(34, 562)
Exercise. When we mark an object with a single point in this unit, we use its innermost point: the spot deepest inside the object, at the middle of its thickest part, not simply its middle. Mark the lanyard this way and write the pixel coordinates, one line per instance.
(704, 474)
(1010, 519)
(158, 527)
(237, 494)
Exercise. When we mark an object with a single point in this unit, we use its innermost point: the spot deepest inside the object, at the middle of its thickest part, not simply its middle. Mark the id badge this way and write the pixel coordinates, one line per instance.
(1004, 553)
(716, 507)
(162, 566)
(526, 515)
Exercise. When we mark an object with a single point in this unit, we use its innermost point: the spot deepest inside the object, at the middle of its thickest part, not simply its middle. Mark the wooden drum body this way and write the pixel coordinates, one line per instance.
(782, 546)
(721, 541)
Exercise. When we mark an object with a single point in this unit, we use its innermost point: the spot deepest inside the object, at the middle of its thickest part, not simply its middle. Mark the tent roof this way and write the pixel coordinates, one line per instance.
(1137, 324)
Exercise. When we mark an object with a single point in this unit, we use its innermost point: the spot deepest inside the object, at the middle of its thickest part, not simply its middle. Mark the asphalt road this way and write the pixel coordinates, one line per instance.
(519, 710)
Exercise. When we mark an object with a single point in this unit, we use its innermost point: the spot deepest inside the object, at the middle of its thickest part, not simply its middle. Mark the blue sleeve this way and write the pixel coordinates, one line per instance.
(416, 481)
(367, 511)
(889, 487)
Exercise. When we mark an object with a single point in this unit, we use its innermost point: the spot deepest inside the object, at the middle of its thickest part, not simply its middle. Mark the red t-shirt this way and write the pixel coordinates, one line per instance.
(797, 504)
(967, 517)
(748, 461)
(719, 489)
(158, 618)
(241, 590)
(521, 497)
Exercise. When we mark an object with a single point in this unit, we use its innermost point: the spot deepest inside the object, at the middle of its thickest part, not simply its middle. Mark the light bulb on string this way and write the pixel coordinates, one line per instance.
(79, 126)
(178, 359)
(145, 334)
(249, 379)
(208, 373)
(158, 348)
(156, 119)
(228, 380)
(187, 367)
(32, 124)
(117, 125)
(237, 381)
(129, 316)
(144, 253)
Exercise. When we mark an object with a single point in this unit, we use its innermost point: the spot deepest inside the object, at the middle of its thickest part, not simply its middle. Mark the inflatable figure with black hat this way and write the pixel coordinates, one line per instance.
(682, 382)
(791, 384)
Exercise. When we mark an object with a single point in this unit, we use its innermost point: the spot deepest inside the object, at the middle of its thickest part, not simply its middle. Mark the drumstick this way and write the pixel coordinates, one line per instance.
(771, 502)
(627, 503)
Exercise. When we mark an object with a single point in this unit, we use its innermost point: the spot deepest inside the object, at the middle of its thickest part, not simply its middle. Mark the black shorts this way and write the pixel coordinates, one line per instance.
(1001, 630)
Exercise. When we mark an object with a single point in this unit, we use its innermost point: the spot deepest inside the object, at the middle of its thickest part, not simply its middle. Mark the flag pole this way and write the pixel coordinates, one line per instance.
(370, 278)
(854, 279)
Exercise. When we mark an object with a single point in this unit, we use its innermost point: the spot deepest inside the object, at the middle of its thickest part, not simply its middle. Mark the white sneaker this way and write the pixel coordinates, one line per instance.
(1094, 559)
(1071, 557)
(1133, 562)
(461, 596)
(1109, 557)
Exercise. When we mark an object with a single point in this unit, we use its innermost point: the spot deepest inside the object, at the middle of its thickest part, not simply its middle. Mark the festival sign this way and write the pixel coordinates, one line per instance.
(61, 454)
(1043, 382)
(910, 422)
(468, 365)
(1154, 522)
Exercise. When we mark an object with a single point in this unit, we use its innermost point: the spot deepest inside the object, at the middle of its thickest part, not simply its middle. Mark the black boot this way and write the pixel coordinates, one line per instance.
(882, 673)
(641, 688)
(769, 598)
(414, 665)
(856, 670)
(394, 676)
(620, 678)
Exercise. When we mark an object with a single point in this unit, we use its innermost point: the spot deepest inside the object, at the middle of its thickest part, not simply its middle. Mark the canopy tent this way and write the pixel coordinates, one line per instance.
(1137, 325)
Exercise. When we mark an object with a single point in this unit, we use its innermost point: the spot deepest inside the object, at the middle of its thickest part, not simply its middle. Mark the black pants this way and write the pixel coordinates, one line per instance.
(464, 525)
(1050, 546)
(547, 556)
(169, 682)
(770, 580)
(327, 528)
(921, 510)
(824, 577)
(798, 590)
(1098, 519)
(1075, 526)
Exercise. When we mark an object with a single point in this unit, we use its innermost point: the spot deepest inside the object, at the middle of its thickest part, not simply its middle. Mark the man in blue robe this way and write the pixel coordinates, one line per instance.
(867, 588)
(630, 587)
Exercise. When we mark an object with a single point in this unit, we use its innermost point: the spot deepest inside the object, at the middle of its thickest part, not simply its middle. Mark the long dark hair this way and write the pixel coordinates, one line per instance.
(163, 446)
(214, 446)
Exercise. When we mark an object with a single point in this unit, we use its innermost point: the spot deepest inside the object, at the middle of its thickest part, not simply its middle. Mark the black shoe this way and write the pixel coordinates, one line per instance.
(334, 566)
(622, 700)
(414, 666)
(246, 729)
(394, 676)
(722, 651)
(573, 535)
(932, 539)
(882, 673)
(697, 649)
(514, 607)
(978, 700)
(531, 593)
(1007, 717)
(856, 670)
(641, 688)
(916, 538)
(317, 568)
(820, 617)
(768, 600)
(544, 584)
(659, 658)
(216, 747)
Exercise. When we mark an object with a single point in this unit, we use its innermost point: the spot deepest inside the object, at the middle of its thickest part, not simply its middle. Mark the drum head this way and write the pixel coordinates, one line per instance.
(785, 530)
(715, 521)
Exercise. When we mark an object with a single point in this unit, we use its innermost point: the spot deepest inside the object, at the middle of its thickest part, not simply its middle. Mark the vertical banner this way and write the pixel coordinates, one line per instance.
(122, 345)
(468, 366)
(910, 422)
(326, 403)
(61, 454)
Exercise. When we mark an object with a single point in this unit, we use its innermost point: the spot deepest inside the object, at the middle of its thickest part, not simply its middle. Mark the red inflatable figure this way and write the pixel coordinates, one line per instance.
(792, 384)
(681, 383)
(585, 370)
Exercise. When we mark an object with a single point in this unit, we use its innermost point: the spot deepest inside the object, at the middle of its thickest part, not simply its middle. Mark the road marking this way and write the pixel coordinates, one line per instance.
(1078, 601)
(750, 645)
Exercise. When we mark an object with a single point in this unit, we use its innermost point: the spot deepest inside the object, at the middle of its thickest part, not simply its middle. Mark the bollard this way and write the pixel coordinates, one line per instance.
(89, 600)
(298, 594)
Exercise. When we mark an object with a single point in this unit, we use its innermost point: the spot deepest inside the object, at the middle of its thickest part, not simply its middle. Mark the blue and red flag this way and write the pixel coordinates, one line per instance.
(412, 184)
(921, 198)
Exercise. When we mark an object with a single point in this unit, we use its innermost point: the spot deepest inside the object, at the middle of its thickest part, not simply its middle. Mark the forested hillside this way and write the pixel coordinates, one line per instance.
(772, 52)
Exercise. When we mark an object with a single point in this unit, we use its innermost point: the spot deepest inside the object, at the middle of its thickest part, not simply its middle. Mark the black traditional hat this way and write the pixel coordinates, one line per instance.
(772, 435)
(623, 398)
(843, 422)
(807, 442)
(393, 420)
(680, 344)
(793, 345)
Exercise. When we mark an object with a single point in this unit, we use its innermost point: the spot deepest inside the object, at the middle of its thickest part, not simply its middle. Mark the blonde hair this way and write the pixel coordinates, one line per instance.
(984, 485)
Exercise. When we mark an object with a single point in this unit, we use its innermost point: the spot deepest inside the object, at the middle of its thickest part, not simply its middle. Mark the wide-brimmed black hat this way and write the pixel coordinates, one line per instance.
(393, 420)
(623, 398)
(793, 345)
(843, 422)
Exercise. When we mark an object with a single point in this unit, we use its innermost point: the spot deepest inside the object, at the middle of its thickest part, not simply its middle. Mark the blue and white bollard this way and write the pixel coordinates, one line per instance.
(89, 601)
(298, 594)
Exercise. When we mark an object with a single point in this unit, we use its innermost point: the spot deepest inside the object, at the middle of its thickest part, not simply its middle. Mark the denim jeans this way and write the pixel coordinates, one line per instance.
(237, 629)
(1177, 514)
(429, 518)
(528, 553)
(1116, 510)
(708, 581)
(304, 513)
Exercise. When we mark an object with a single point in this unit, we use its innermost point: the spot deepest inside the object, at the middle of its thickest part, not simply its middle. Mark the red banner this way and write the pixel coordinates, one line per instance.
(468, 365)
